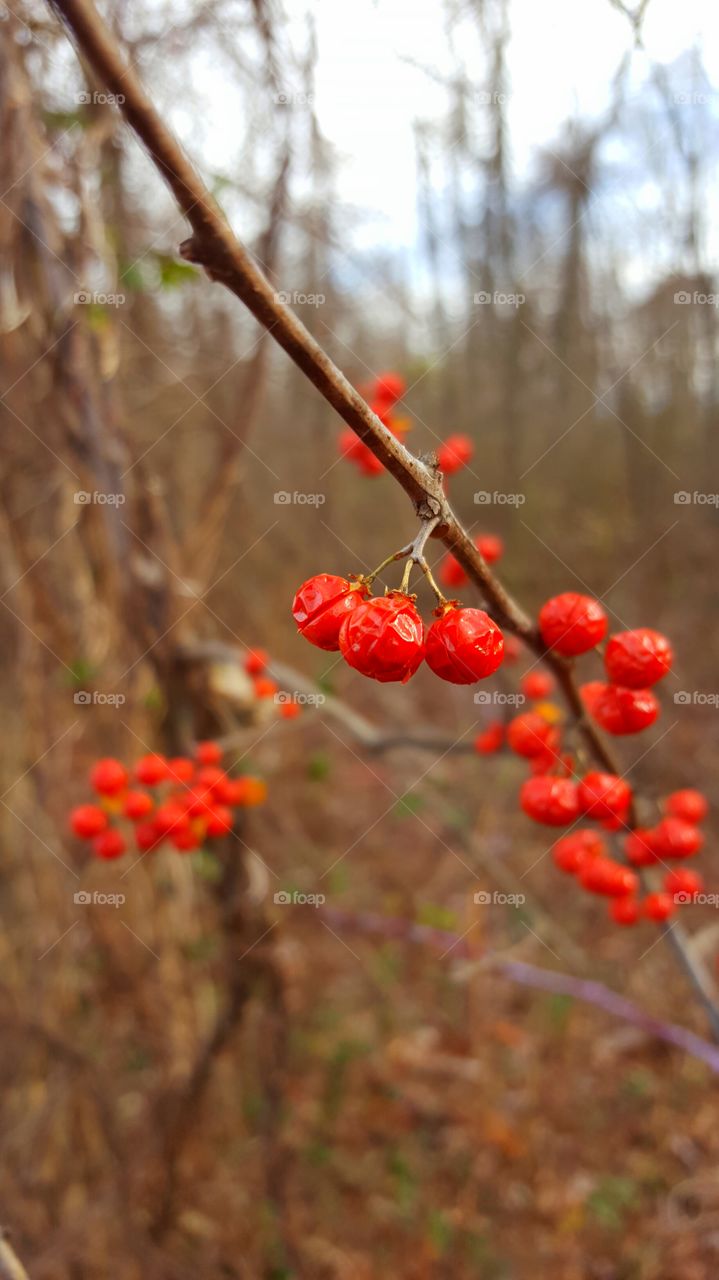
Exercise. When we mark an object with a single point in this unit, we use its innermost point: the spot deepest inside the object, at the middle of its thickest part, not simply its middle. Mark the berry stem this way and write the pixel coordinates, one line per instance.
(369, 578)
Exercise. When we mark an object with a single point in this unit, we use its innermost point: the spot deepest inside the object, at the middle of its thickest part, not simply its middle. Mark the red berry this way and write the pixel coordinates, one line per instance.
(536, 685)
(349, 444)
(604, 795)
(180, 769)
(675, 838)
(571, 852)
(620, 710)
(572, 623)
(151, 770)
(211, 777)
(683, 883)
(389, 387)
(688, 804)
(490, 739)
(603, 875)
(265, 687)
(454, 454)
(529, 734)
(658, 906)
(451, 573)
(553, 801)
(624, 910)
(197, 801)
(490, 547)
(637, 659)
(184, 840)
(321, 606)
(383, 638)
(256, 659)
(108, 777)
(512, 648)
(219, 821)
(111, 844)
(147, 837)
(137, 804)
(208, 753)
(170, 818)
(639, 848)
(87, 820)
(367, 462)
(464, 645)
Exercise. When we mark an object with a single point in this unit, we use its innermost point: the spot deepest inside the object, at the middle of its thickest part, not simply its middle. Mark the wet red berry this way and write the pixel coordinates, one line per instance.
(529, 734)
(619, 710)
(88, 820)
(383, 638)
(571, 623)
(108, 777)
(553, 801)
(151, 770)
(637, 659)
(464, 645)
(454, 453)
(658, 906)
(604, 795)
(607, 877)
(321, 606)
(571, 852)
(688, 804)
(110, 844)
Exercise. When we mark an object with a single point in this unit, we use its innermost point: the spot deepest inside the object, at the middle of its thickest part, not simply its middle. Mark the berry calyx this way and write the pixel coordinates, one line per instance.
(637, 659)
(604, 795)
(618, 710)
(108, 777)
(464, 645)
(688, 804)
(553, 801)
(87, 821)
(321, 606)
(571, 623)
(383, 638)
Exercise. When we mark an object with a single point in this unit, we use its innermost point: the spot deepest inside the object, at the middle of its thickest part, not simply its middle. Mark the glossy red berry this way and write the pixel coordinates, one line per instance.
(321, 606)
(658, 906)
(108, 777)
(604, 795)
(621, 711)
(110, 844)
(383, 638)
(624, 910)
(607, 877)
(688, 804)
(490, 739)
(553, 801)
(683, 883)
(529, 734)
(637, 659)
(256, 659)
(464, 645)
(454, 454)
(675, 838)
(639, 848)
(137, 804)
(151, 770)
(571, 852)
(88, 820)
(536, 685)
(571, 623)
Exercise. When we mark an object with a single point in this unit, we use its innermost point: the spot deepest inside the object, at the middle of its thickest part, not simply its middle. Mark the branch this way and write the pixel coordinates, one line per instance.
(214, 246)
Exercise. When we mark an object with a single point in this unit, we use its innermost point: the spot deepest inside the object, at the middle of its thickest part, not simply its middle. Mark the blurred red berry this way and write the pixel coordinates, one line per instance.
(512, 648)
(637, 659)
(571, 623)
(553, 801)
(454, 454)
(675, 838)
(571, 852)
(147, 837)
(639, 848)
(536, 685)
(383, 638)
(604, 795)
(108, 777)
(184, 839)
(464, 645)
(151, 770)
(490, 547)
(621, 711)
(688, 804)
(219, 821)
(290, 710)
(451, 573)
(605, 876)
(490, 739)
(256, 659)
(265, 687)
(180, 769)
(110, 844)
(658, 906)
(321, 606)
(388, 388)
(529, 734)
(170, 818)
(625, 910)
(137, 804)
(88, 820)
(683, 883)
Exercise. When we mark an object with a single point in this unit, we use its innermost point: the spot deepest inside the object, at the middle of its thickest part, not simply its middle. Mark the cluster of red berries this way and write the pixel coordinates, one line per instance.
(182, 801)
(383, 637)
(383, 395)
(264, 687)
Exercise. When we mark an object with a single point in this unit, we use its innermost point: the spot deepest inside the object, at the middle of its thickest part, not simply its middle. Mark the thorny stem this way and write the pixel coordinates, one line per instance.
(214, 246)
